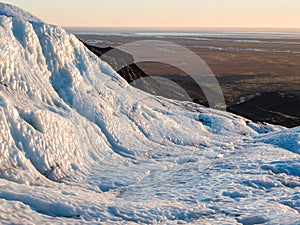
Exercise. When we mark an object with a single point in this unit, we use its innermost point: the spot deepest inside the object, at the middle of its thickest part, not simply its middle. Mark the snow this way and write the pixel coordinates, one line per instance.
(17, 13)
(282, 139)
(79, 145)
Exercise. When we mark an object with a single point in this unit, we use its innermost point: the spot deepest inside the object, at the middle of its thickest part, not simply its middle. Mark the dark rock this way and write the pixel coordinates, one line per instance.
(272, 107)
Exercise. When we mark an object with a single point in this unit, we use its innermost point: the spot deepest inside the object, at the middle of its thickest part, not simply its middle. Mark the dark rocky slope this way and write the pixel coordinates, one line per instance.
(114, 58)
(272, 107)
(166, 86)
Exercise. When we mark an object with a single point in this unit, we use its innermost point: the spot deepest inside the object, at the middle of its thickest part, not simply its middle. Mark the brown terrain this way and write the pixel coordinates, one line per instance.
(260, 78)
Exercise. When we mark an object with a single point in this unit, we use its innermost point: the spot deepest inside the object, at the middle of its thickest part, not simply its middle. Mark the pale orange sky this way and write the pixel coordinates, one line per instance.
(166, 13)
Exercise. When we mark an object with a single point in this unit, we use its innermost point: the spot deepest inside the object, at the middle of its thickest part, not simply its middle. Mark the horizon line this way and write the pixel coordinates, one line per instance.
(294, 29)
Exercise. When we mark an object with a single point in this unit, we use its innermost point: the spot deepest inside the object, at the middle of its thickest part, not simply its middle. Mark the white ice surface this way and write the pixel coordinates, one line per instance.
(78, 145)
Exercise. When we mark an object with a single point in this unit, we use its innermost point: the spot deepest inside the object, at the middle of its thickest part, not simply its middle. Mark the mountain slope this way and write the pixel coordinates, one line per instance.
(79, 145)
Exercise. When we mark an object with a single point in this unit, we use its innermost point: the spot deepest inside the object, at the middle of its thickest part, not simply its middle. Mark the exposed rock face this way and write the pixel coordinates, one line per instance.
(114, 58)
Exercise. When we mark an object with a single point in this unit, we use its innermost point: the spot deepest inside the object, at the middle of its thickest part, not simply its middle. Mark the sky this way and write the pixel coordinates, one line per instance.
(166, 13)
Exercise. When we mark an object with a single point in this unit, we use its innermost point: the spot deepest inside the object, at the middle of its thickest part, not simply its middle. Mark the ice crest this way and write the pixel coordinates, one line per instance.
(15, 12)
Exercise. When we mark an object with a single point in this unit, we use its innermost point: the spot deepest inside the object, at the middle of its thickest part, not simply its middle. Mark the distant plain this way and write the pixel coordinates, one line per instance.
(255, 65)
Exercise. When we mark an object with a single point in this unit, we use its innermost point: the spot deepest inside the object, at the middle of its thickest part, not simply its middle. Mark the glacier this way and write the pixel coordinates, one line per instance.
(78, 145)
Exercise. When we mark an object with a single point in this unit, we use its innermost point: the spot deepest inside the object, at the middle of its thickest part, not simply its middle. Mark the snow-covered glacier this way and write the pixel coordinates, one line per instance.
(78, 145)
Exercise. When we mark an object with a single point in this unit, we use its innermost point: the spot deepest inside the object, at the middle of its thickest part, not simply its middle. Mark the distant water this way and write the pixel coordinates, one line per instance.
(188, 34)
(262, 37)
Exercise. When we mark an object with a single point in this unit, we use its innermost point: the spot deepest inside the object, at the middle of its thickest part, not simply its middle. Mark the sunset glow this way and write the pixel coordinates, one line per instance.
(167, 13)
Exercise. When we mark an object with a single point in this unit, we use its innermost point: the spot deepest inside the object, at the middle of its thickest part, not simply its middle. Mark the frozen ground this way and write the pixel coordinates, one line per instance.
(78, 145)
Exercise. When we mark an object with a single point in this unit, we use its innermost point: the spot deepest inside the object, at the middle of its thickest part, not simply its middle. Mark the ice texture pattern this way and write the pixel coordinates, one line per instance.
(78, 145)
